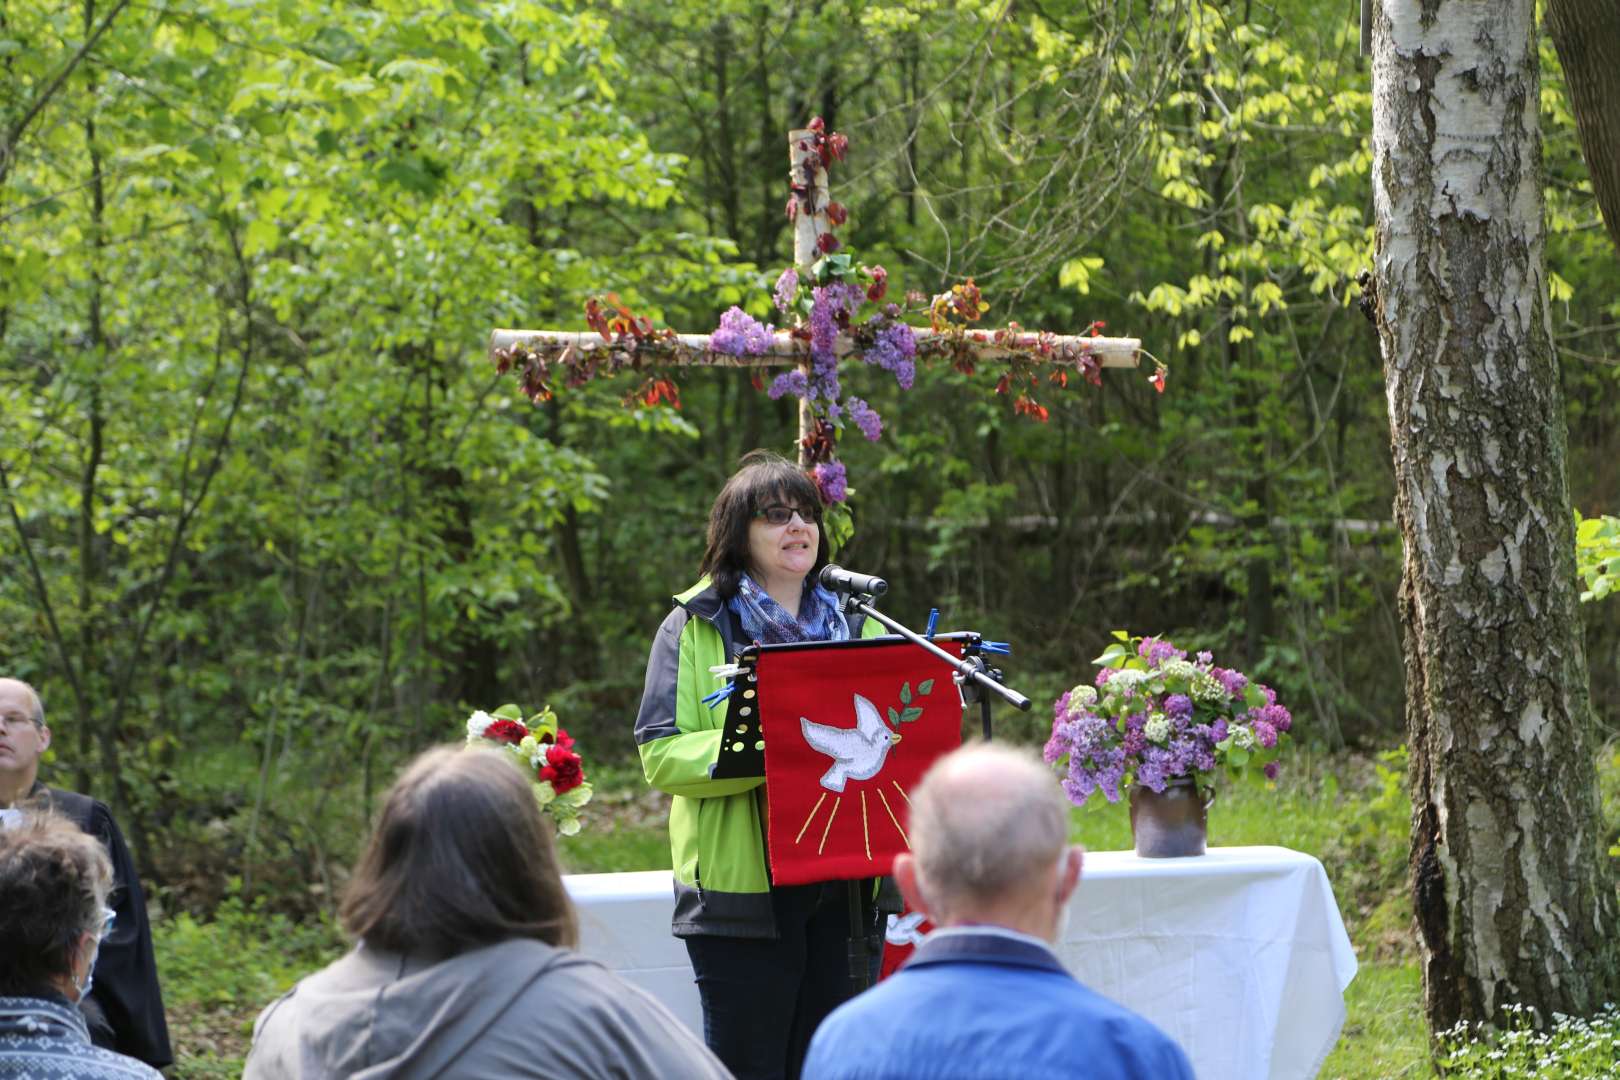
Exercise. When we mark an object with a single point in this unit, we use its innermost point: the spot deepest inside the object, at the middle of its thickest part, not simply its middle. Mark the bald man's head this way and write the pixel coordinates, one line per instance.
(17, 691)
(987, 822)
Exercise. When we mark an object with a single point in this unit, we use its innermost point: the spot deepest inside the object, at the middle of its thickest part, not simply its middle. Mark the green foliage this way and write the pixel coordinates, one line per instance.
(1571, 1049)
(1597, 555)
(218, 974)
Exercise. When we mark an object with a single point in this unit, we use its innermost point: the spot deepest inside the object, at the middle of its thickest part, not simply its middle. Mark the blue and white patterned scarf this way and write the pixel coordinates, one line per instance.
(767, 622)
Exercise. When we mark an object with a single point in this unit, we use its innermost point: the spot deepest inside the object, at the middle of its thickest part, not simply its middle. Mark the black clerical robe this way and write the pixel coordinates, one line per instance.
(124, 1008)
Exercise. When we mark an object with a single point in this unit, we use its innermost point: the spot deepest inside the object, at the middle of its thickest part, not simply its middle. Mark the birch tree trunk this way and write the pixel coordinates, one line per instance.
(1514, 899)
(1587, 36)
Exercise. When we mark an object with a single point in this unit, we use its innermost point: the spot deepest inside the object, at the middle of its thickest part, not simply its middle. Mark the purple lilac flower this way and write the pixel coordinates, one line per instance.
(739, 334)
(1206, 657)
(894, 349)
(1271, 695)
(1270, 770)
(824, 340)
(1157, 650)
(789, 382)
(1134, 742)
(1265, 734)
(1178, 707)
(1218, 730)
(1278, 717)
(866, 418)
(1102, 677)
(832, 481)
(1235, 682)
(787, 287)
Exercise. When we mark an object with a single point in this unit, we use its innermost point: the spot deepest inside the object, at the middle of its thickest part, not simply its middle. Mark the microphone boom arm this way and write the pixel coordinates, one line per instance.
(967, 670)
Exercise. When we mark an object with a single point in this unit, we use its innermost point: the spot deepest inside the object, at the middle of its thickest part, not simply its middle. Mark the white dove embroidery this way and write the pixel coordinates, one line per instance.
(858, 753)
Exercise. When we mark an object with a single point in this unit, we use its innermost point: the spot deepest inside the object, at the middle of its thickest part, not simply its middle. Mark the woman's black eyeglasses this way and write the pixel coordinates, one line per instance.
(777, 514)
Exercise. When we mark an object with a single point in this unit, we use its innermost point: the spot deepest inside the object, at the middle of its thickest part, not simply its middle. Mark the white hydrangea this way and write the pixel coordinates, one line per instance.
(1206, 687)
(1080, 698)
(477, 724)
(1177, 668)
(1157, 728)
(1121, 682)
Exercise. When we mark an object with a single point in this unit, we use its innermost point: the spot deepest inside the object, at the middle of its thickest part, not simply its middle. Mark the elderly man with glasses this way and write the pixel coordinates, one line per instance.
(124, 1010)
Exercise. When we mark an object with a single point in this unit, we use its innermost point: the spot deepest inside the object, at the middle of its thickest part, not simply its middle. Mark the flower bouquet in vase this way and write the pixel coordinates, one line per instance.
(1159, 726)
(545, 753)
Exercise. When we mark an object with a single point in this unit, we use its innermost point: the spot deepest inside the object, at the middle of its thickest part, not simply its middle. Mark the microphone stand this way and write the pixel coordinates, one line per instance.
(972, 673)
(973, 676)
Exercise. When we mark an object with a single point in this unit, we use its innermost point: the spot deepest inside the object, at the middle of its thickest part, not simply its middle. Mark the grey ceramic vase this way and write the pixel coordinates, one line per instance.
(1170, 824)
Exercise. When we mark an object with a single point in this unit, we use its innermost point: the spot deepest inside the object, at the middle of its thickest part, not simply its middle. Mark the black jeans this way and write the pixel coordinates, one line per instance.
(763, 997)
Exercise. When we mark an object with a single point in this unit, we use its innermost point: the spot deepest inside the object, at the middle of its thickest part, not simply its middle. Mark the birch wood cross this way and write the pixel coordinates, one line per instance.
(587, 353)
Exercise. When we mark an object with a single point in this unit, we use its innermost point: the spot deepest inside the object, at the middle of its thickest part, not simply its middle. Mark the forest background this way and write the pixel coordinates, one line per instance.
(273, 523)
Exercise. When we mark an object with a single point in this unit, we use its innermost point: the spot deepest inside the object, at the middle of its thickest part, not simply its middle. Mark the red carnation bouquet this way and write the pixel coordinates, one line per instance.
(543, 750)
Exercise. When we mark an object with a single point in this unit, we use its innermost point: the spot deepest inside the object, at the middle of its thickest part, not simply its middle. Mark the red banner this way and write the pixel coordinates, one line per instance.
(849, 729)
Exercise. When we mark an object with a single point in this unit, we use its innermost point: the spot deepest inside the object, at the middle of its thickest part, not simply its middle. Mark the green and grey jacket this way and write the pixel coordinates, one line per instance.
(716, 827)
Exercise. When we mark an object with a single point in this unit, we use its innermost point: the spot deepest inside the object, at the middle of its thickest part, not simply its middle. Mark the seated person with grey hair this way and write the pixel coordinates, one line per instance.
(984, 995)
(125, 1011)
(464, 964)
(54, 883)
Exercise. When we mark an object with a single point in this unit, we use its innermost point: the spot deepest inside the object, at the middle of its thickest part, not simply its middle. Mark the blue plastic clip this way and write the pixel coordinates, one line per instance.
(719, 695)
(933, 621)
(1001, 647)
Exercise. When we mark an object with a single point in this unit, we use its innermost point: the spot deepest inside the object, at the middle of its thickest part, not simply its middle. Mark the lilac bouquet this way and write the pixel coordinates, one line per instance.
(1153, 716)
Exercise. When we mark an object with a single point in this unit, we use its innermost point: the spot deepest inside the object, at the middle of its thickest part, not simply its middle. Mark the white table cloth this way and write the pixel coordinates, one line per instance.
(1240, 955)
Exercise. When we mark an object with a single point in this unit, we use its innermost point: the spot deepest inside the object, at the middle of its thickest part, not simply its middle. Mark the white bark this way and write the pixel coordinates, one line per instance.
(1510, 884)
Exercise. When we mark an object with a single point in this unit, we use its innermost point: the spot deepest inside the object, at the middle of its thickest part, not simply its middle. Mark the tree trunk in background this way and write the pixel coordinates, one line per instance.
(1514, 898)
(1587, 36)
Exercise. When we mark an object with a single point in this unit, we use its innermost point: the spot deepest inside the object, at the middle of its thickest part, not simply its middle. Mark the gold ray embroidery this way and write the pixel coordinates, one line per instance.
(831, 814)
(811, 818)
(866, 833)
(894, 819)
(902, 792)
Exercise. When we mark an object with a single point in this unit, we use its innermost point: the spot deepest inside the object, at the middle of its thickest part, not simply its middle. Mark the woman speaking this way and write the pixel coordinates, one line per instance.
(770, 960)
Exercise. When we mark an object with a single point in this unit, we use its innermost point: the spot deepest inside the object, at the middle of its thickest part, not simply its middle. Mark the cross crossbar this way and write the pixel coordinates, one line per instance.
(786, 350)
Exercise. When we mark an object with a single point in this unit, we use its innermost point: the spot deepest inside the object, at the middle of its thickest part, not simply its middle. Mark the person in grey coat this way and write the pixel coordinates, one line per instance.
(464, 964)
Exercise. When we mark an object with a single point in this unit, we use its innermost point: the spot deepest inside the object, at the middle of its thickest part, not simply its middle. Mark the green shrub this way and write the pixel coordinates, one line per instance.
(217, 976)
(1573, 1048)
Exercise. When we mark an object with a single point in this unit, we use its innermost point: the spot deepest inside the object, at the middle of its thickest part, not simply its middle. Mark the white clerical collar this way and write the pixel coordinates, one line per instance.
(983, 929)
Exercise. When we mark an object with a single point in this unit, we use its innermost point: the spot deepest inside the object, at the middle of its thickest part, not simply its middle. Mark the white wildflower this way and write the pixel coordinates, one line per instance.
(1157, 728)
(477, 724)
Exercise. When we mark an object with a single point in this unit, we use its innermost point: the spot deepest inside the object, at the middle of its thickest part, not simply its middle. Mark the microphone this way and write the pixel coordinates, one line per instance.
(838, 579)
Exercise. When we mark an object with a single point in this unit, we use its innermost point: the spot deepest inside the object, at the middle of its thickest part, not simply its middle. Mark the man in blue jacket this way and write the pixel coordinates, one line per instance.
(984, 996)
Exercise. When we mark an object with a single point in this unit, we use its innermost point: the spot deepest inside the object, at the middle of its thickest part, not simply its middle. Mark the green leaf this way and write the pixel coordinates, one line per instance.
(926, 686)
(508, 712)
(1109, 655)
(1253, 696)
(894, 716)
(1237, 758)
(910, 714)
(905, 693)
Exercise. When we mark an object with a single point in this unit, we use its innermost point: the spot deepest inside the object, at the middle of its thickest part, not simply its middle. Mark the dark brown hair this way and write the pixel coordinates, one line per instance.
(54, 881)
(461, 858)
(763, 479)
